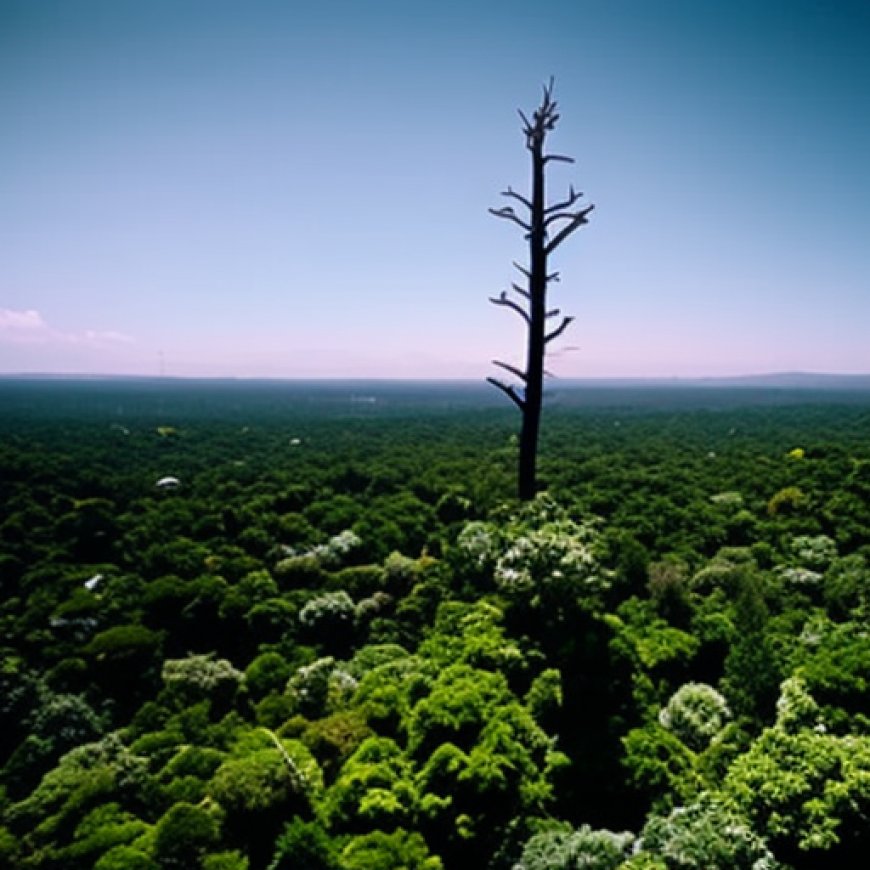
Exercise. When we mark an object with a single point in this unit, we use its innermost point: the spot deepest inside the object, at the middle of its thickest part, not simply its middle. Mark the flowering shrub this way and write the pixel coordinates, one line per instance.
(88, 772)
(478, 542)
(541, 546)
(728, 499)
(706, 835)
(64, 720)
(696, 713)
(571, 850)
(334, 551)
(200, 675)
(800, 577)
(331, 611)
(725, 571)
(321, 686)
(551, 554)
(814, 551)
(400, 569)
(309, 686)
(299, 564)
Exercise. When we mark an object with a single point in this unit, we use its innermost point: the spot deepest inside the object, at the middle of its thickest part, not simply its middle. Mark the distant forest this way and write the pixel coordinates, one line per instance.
(251, 625)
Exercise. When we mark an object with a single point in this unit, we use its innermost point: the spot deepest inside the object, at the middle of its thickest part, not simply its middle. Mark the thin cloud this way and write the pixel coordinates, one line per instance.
(25, 321)
(109, 336)
(28, 326)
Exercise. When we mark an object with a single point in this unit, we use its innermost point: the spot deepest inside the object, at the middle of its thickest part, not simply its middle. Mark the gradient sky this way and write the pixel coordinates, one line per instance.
(300, 189)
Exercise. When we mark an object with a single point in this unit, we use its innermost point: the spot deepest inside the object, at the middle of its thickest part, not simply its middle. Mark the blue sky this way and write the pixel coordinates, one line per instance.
(293, 189)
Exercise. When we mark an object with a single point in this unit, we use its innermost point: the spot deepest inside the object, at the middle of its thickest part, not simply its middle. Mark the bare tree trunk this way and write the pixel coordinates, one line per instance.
(539, 219)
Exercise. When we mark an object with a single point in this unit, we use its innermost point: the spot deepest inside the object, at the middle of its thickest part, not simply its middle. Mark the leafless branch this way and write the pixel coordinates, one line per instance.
(560, 157)
(562, 216)
(527, 124)
(523, 292)
(572, 197)
(544, 119)
(510, 392)
(522, 269)
(509, 303)
(512, 369)
(553, 276)
(545, 115)
(512, 193)
(577, 220)
(566, 322)
(555, 312)
(509, 214)
(548, 90)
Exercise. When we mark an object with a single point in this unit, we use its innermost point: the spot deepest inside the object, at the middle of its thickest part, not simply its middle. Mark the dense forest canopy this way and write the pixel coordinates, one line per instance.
(275, 625)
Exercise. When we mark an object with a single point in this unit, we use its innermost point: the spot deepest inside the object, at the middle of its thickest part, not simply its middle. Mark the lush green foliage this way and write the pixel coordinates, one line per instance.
(339, 644)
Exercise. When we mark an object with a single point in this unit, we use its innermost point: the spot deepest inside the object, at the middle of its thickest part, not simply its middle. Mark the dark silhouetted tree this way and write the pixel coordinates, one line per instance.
(546, 227)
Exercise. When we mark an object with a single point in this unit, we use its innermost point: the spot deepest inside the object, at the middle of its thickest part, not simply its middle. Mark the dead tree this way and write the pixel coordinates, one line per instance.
(545, 227)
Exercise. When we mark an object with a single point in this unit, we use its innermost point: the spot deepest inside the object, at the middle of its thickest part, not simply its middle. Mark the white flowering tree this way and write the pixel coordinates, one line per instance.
(696, 713)
(540, 554)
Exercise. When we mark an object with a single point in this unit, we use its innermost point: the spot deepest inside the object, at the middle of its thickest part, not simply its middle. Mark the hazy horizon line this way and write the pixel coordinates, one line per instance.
(770, 376)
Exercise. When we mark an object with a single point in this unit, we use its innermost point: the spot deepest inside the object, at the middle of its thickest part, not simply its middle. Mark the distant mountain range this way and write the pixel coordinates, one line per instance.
(776, 380)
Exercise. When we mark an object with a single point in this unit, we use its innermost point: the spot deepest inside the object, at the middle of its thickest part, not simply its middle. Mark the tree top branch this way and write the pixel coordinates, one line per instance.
(566, 322)
(509, 214)
(517, 372)
(576, 220)
(503, 300)
(509, 391)
(544, 118)
(512, 193)
(572, 197)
